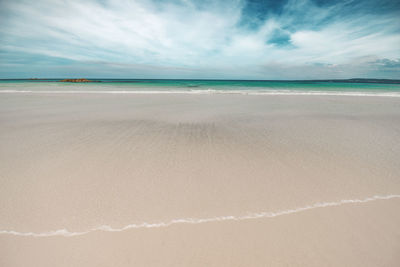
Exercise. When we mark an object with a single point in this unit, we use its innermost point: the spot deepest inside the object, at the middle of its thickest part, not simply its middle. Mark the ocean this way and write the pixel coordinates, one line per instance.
(335, 87)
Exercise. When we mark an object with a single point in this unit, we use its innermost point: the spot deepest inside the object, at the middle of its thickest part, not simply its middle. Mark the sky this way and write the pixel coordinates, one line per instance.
(193, 39)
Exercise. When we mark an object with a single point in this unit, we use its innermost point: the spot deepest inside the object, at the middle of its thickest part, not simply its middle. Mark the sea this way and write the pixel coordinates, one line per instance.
(352, 87)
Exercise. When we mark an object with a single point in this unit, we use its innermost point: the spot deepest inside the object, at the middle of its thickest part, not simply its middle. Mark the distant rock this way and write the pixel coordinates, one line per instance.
(82, 80)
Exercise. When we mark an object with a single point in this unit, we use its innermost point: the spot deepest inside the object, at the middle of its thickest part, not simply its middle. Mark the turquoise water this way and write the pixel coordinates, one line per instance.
(202, 86)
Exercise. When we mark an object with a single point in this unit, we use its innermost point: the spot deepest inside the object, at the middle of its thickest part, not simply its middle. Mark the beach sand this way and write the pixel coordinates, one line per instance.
(136, 162)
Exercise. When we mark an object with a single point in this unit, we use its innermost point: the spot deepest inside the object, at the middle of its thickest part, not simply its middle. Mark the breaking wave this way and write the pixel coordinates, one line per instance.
(211, 91)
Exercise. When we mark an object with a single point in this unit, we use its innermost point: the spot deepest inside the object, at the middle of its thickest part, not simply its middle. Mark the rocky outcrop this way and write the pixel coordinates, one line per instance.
(82, 80)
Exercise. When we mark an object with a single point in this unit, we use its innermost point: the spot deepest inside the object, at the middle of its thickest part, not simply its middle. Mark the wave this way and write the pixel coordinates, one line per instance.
(213, 91)
(259, 215)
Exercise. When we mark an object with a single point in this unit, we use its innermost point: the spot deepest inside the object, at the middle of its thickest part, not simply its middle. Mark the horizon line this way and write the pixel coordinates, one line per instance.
(208, 79)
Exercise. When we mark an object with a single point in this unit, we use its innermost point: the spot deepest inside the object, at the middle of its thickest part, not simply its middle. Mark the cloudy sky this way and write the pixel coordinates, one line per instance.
(230, 39)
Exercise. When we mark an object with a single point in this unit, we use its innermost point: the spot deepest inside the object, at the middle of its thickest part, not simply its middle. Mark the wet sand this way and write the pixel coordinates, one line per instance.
(80, 162)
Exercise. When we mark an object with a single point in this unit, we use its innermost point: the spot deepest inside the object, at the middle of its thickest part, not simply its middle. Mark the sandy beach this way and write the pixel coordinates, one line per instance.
(199, 180)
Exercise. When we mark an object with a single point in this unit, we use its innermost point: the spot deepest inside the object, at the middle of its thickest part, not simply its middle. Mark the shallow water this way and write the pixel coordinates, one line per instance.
(190, 179)
(79, 161)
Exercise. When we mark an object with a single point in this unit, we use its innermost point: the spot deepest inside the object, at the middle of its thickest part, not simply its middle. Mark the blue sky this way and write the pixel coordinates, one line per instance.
(265, 39)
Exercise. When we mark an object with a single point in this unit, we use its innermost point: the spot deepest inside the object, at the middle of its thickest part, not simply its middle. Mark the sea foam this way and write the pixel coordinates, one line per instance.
(211, 91)
(250, 216)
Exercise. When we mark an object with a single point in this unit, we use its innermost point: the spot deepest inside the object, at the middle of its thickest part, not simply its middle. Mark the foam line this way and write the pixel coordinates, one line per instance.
(212, 91)
(259, 215)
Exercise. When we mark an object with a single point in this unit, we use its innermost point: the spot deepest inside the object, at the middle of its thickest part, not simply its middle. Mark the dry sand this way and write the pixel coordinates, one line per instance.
(79, 162)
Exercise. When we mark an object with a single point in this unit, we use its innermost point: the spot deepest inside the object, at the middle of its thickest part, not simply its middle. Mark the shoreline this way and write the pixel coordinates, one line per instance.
(250, 216)
(211, 92)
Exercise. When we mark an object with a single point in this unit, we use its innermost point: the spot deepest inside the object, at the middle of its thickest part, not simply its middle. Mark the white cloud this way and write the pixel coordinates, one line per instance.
(181, 36)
